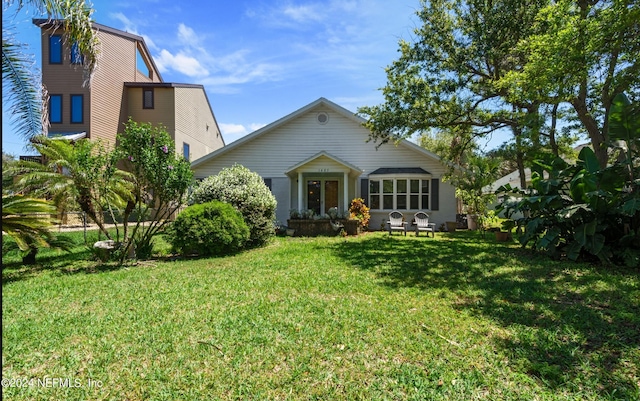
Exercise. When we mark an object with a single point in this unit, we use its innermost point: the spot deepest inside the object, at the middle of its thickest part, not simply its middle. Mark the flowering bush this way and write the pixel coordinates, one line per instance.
(359, 211)
(160, 180)
(246, 191)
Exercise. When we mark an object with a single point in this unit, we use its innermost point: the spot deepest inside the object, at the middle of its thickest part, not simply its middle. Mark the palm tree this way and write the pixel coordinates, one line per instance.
(22, 90)
(25, 97)
(27, 221)
(79, 174)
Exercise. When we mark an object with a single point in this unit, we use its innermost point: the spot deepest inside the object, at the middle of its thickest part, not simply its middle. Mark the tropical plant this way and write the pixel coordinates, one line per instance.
(159, 181)
(360, 211)
(75, 174)
(246, 191)
(22, 90)
(472, 183)
(583, 209)
(27, 221)
(209, 229)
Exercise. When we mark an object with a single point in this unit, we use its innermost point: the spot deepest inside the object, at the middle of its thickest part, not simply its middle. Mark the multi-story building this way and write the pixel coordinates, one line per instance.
(126, 83)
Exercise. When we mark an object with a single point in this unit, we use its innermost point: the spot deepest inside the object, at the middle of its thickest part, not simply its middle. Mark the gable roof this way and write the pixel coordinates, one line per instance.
(289, 117)
(327, 155)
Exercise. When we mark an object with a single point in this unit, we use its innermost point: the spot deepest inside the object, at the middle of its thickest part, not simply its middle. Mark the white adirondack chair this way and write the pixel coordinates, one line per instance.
(422, 224)
(396, 222)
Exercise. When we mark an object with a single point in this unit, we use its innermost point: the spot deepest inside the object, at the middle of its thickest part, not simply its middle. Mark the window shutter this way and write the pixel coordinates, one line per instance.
(435, 194)
(267, 182)
(364, 190)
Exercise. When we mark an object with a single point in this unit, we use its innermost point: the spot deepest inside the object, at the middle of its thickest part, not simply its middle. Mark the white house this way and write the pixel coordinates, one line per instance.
(318, 157)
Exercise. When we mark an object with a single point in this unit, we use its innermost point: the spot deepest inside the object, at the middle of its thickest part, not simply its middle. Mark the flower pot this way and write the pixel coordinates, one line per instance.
(472, 221)
(502, 236)
(451, 226)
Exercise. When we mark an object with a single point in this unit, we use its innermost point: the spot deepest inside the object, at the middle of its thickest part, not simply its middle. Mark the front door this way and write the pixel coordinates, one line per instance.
(322, 195)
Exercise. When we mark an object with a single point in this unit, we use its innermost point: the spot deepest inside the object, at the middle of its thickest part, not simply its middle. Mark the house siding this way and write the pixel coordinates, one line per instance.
(195, 122)
(64, 79)
(280, 188)
(163, 113)
(302, 138)
(108, 96)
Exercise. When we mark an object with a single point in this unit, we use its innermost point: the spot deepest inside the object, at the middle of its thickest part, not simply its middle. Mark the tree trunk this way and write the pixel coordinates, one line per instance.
(521, 172)
(552, 131)
(598, 139)
(517, 134)
(30, 258)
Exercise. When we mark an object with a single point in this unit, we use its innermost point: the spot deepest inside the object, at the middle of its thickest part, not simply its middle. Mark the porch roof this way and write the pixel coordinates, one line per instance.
(352, 169)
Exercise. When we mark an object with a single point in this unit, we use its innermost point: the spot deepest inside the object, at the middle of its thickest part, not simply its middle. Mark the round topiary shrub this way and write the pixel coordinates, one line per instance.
(207, 229)
(246, 191)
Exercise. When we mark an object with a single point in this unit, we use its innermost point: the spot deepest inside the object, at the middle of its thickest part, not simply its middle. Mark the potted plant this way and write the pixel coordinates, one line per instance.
(471, 183)
(359, 211)
(505, 234)
(451, 226)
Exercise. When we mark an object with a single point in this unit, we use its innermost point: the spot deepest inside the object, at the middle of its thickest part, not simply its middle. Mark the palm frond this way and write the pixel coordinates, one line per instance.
(21, 88)
(27, 220)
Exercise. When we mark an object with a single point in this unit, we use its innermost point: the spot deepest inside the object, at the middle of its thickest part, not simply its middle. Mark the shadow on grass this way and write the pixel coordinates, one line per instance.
(78, 261)
(571, 324)
(83, 260)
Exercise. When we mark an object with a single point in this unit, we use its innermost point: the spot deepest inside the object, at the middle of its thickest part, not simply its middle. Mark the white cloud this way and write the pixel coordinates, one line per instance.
(218, 72)
(304, 13)
(187, 35)
(180, 62)
(233, 132)
(129, 26)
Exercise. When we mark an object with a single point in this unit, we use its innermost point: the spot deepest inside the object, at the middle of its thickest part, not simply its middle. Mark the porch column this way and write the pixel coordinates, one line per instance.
(300, 192)
(346, 192)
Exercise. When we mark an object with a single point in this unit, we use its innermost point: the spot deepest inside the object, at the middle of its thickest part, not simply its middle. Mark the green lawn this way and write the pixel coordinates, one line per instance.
(458, 317)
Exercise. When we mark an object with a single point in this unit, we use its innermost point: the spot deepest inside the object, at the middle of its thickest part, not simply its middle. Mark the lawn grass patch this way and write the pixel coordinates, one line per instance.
(371, 317)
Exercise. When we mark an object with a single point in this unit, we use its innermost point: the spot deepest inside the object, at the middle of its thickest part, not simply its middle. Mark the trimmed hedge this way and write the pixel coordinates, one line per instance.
(208, 229)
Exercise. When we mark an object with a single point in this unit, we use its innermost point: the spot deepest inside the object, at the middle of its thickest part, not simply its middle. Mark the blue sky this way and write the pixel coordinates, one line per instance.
(258, 60)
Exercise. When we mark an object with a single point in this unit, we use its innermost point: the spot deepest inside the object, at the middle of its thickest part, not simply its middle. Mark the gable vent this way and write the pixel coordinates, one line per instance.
(322, 118)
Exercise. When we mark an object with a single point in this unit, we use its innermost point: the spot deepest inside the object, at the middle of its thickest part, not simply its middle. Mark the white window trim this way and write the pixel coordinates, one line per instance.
(380, 178)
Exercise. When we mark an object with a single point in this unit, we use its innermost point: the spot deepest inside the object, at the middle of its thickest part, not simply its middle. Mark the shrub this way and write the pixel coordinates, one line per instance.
(246, 191)
(211, 228)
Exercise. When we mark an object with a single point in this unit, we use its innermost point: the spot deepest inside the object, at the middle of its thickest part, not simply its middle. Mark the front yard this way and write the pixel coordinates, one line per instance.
(458, 317)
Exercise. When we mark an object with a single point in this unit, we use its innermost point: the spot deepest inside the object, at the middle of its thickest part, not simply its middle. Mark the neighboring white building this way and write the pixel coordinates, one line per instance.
(319, 157)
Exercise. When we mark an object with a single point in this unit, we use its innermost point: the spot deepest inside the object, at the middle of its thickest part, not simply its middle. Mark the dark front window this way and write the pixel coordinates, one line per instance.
(186, 151)
(77, 109)
(55, 49)
(313, 195)
(147, 98)
(55, 109)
